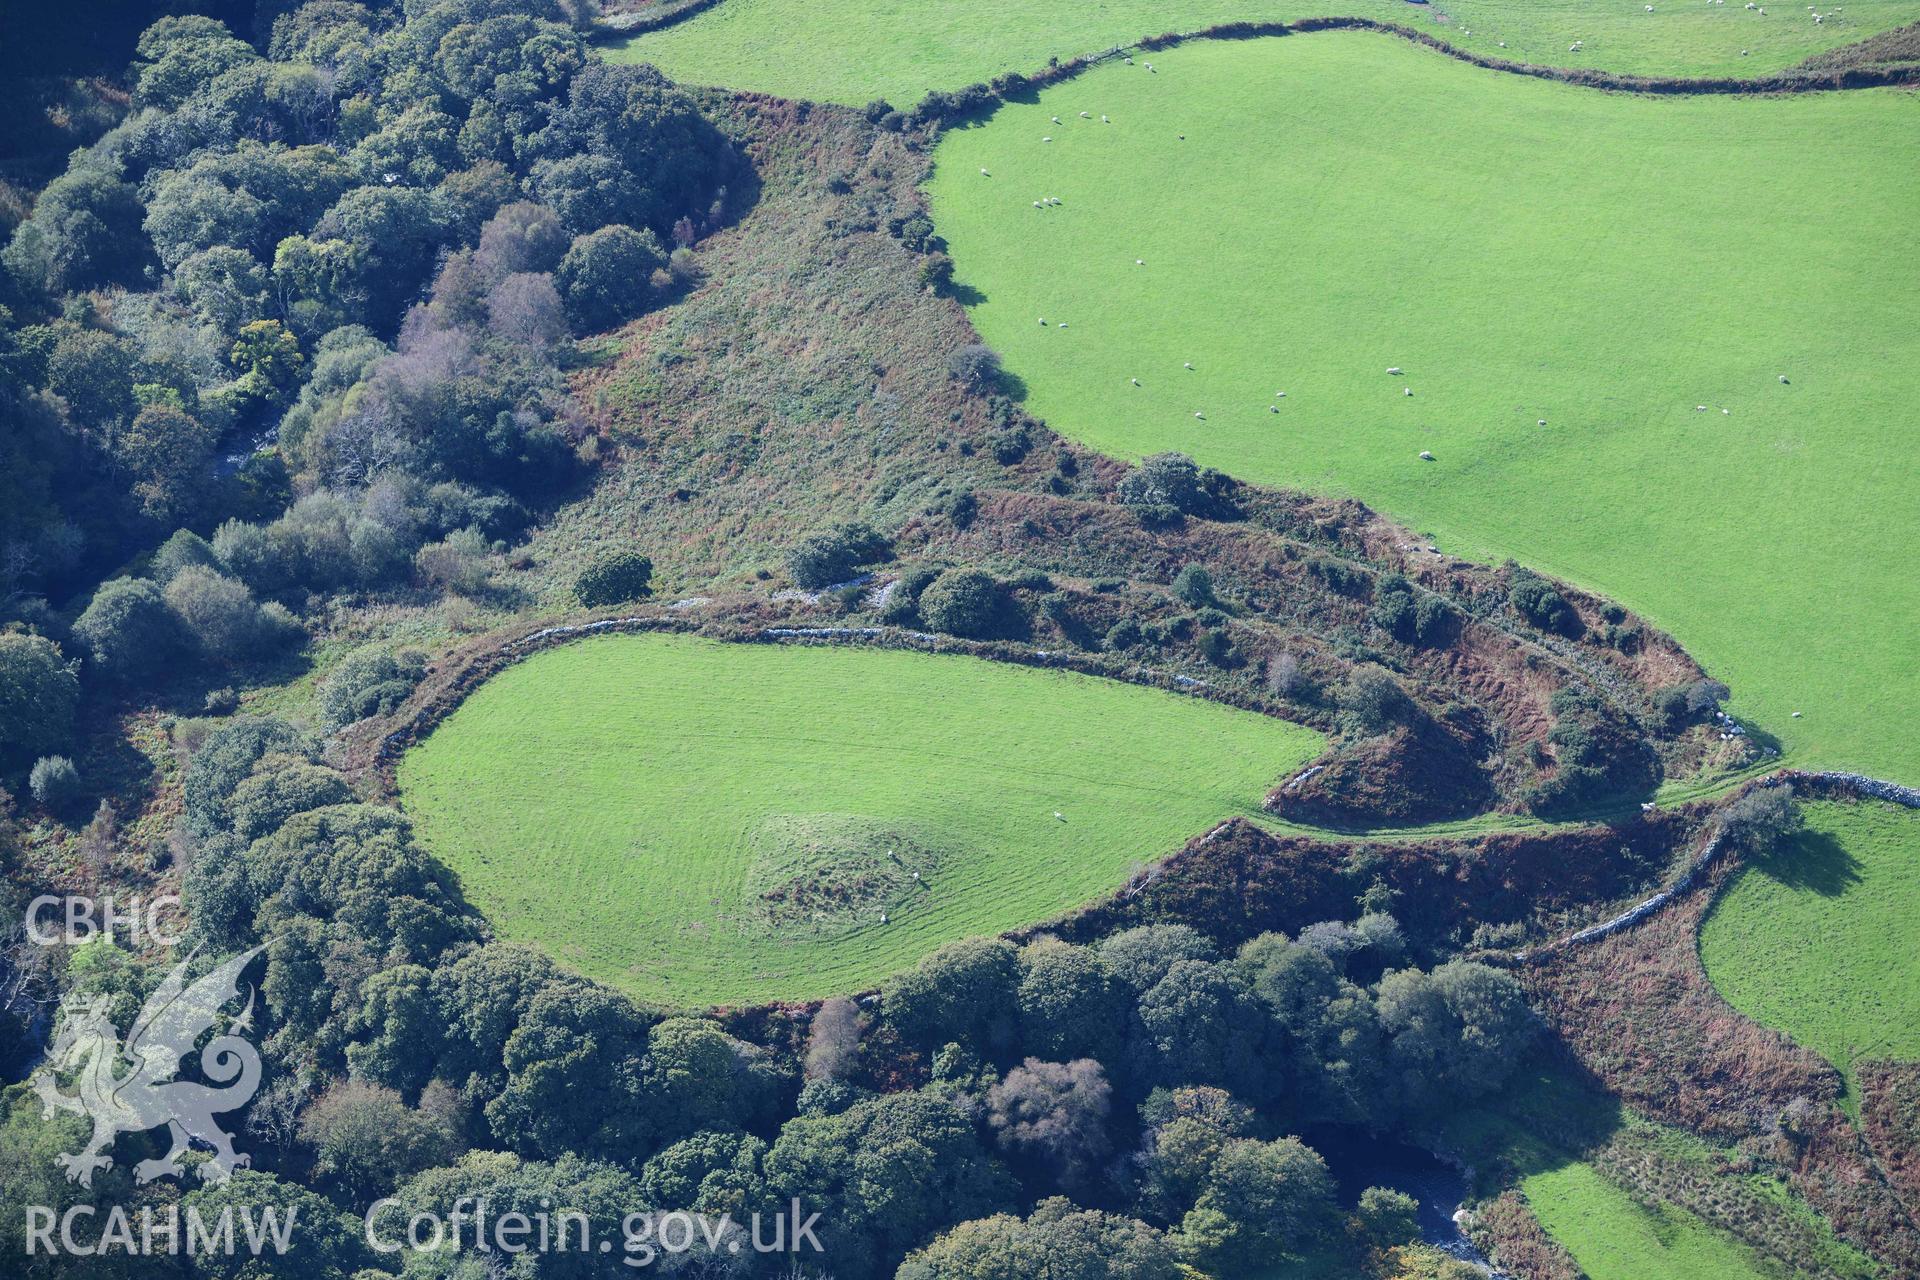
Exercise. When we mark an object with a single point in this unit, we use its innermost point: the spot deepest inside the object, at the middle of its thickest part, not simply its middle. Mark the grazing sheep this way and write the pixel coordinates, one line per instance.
(985, 174)
(1134, 381)
(1085, 116)
(1783, 377)
(1139, 262)
(1393, 370)
(1036, 204)
(1699, 408)
(1056, 119)
(1189, 364)
(1425, 456)
(1503, 44)
(1408, 390)
(1729, 412)
(1200, 415)
(1280, 395)
(1543, 422)
(1043, 322)
(1047, 139)
(1063, 324)
(1273, 408)
(1061, 816)
(1796, 715)
(883, 917)
(1104, 120)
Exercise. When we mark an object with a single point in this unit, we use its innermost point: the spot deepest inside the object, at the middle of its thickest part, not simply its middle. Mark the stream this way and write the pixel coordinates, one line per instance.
(1358, 1160)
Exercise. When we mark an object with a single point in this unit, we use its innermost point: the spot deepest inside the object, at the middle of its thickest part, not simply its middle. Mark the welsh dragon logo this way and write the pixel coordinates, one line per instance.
(146, 1095)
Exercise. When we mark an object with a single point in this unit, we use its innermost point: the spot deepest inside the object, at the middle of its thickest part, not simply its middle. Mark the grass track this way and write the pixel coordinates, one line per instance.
(604, 800)
(852, 51)
(1818, 939)
(1343, 202)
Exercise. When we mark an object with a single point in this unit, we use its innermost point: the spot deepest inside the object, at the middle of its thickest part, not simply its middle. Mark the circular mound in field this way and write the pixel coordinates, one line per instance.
(701, 823)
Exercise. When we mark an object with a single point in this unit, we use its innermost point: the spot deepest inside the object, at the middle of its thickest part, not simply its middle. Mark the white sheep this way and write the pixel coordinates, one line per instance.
(1543, 422)
(985, 174)
(1273, 408)
(1393, 370)
(1036, 204)
(1728, 412)
(1188, 363)
(883, 917)
(1061, 816)
(1783, 377)
(1200, 415)
(1408, 390)
(1503, 44)
(1649, 8)
(1104, 120)
(1056, 119)
(1425, 456)
(1139, 262)
(1049, 138)
(1699, 408)
(1063, 324)
(1280, 395)
(1043, 322)
(1085, 116)
(1135, 381)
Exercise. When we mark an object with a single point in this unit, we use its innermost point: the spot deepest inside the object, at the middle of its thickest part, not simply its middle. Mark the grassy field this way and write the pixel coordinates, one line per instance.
(1818, 939)
(700, 823)
(853, 51)
(1300, 214)
(1615, 1237)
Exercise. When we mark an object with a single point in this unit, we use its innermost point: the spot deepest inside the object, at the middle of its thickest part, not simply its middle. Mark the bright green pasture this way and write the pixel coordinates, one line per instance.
(1614, 1237)
(1818, 940)
(625, 803)
(853, 51)
(1342, 203)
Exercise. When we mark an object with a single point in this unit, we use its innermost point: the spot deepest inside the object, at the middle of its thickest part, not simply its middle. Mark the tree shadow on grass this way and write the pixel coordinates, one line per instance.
(1812, 860)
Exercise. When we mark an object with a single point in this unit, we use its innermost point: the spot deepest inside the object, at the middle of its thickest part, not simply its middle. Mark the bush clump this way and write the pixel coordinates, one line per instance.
(369, 682)
(1409, 616)
(967, 602)
(1535, 599)
(1194, 586)
(976, 366)
(55, 783)
(835, 555)
(616, 579)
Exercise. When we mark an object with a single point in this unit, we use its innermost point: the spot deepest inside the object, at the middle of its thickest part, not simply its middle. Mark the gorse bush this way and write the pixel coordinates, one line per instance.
(835, 555)
(967, 602)
(1535, 599)
(615, 579)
